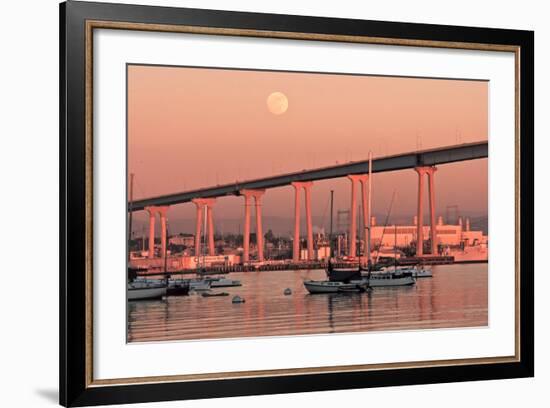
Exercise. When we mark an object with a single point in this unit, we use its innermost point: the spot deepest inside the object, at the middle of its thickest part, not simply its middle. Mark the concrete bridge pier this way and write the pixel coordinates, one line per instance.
(200, 203)
(306, 185)
(153, 210)
(257, 195)
(422, 171)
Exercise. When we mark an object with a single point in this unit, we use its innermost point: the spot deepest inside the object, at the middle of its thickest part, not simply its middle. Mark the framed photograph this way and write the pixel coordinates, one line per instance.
(256, 203)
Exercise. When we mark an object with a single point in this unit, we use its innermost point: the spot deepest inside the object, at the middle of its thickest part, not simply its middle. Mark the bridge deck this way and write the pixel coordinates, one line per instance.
(432, 157)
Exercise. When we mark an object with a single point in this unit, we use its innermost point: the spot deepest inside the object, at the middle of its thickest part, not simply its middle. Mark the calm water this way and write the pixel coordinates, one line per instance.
(456, 296)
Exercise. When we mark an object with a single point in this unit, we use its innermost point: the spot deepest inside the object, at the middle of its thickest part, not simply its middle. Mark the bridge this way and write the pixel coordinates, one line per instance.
(423, 162)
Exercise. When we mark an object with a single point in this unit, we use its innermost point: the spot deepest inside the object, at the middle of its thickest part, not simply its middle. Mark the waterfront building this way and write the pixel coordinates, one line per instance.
(447, 235)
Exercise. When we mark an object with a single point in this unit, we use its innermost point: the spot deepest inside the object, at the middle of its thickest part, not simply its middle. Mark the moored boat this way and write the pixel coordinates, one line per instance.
(199, 284)
(146, 290)
(177, 288)
(396, 278)
(422, 273)
(370, 279)
(220, 282)
(315, 287)
(417, 271)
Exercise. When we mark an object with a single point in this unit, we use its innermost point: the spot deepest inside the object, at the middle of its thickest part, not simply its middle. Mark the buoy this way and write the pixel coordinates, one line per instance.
(237, 299)
(287, 292)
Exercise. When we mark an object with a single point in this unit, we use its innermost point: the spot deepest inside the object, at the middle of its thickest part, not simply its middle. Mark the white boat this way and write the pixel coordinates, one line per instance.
(398, 278)
(422, 273)
(417, 272)
(146, 290)
(194, 284)
(315, 287)
(219, 282)
(199, 284)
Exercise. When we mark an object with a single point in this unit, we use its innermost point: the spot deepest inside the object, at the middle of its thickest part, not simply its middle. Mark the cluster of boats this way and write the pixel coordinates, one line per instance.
(358, 279)
(142, 288)
(350, 277)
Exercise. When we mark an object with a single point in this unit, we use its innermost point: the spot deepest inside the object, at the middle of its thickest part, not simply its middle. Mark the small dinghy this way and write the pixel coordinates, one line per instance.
(237, 299)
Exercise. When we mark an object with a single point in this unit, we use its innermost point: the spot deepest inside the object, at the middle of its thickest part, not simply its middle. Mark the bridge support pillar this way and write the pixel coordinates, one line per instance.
(200, 204)
(259, 229)
(162, 211)
(257, 195)
(433, 225)
(363, 179)
(152, 211)
(422, 171)
(306, 185)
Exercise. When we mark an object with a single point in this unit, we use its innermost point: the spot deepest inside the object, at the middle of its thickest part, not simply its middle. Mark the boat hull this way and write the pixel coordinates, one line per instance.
(177, 290)
(199, 285)
(422, 274)
(224, 283)
(146, 293)
(377, 282)
(315, 287)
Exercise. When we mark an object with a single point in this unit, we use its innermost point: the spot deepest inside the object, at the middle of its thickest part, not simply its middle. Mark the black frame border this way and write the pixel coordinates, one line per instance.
(72, 124)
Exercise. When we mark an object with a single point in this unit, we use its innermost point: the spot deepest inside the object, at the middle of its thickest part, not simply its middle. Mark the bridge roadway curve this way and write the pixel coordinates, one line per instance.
(432, 157)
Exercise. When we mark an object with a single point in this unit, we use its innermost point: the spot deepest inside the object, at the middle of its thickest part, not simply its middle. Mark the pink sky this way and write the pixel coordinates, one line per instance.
(196, 127)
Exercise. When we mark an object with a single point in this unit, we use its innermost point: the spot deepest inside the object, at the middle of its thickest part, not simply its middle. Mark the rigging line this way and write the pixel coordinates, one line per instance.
(138, 187)
(385, 226)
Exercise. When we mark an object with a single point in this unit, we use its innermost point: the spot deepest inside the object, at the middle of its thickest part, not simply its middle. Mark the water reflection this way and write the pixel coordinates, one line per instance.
(456, 296)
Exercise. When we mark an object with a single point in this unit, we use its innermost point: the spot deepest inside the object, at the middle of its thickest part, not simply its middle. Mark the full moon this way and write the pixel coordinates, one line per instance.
(277, 103)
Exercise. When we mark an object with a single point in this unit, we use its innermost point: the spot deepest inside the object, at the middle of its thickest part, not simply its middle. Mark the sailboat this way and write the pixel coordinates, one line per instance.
(344, 279)
(352, 278)
(395, 277)
(143, 289)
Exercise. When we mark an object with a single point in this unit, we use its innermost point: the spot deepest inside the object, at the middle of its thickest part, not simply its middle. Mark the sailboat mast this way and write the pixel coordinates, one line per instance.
(131, 200)
(331, 218)
(166, 253)
(368, 220)
(395, 246)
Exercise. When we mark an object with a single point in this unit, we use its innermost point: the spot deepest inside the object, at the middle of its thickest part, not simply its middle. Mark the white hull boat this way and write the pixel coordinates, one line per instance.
(422, 273)
(390, 279)
(222, 282)
(145, 290)
(194, 284)
(314, 287)
(199, 284)
(417, 272)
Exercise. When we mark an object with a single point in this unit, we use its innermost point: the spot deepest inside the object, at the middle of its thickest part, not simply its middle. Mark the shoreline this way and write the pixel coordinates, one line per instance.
(282, 267)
